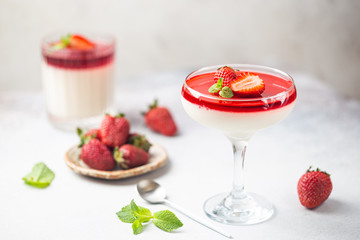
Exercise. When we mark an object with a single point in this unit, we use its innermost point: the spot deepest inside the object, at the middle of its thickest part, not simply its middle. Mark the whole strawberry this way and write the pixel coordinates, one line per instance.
(129, 156)
(160, 120)
(314, 187)
(97, 156)
(114, 130)
(226, 73)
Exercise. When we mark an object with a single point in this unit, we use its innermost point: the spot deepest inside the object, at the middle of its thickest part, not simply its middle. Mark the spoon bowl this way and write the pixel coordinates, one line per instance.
(151, 191)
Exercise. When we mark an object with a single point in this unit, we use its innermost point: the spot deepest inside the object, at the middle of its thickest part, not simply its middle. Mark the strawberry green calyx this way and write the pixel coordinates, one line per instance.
(81, 136)
(139, 141)
(154, 105)
(317, 170)
(119, 115)
(79, 132)
(151, 106)
(119, 158)
(84, 139)
(226, 67)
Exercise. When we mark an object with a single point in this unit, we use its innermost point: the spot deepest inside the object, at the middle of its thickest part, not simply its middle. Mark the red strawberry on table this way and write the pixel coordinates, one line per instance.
(114, 130)
(129, 156)
(247, 85)
(159, 119)
(97, 156)
(226, 73)
(313, 188)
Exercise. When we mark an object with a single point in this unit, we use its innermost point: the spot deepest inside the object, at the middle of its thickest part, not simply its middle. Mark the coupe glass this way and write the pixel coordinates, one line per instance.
(238, 119)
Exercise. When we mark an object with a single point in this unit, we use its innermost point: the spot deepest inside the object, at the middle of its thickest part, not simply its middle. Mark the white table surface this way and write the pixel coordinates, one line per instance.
(322, 131)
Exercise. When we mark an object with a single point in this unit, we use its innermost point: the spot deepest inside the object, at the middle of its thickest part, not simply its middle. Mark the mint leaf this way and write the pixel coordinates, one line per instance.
(40, 176)
(215, 88)
(65, 40)
(226, 92)
(132, 213)
(166, 220)
(219, 83)
(126, 214)
(137, 227)
(142, 213)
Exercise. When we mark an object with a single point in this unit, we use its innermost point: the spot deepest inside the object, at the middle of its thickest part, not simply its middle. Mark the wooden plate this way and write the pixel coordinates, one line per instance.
(158, 158)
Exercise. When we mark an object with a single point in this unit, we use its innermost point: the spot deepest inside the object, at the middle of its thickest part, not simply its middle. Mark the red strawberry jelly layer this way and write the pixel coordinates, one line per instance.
(79, 59)
(278, 93)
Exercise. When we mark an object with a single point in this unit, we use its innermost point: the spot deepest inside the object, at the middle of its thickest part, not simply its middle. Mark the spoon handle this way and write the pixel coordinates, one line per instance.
(197, 219)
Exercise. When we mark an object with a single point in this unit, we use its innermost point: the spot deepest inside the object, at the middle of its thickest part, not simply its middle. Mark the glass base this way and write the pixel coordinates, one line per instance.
(250, 209)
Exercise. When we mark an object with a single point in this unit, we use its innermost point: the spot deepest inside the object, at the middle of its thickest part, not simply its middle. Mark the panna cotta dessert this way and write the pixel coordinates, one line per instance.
(238, 100)
(240, 115)
(78, 79)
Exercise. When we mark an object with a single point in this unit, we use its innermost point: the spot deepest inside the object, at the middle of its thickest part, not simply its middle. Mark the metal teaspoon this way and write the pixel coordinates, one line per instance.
(152, 192)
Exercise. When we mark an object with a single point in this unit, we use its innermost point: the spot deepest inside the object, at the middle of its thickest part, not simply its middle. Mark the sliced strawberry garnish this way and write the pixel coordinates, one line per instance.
(226, 73)
(73, 41)
(247, 85)
(80, 42)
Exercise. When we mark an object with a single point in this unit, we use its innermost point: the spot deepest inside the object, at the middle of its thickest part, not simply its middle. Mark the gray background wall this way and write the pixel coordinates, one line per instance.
(319, 37)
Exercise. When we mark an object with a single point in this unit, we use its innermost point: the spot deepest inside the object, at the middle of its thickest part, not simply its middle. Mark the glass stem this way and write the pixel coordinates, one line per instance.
(239, 149)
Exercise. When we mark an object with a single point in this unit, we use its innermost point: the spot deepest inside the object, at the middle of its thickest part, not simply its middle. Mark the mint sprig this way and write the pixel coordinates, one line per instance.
(40, 176)
(224, 91)
(137, 215)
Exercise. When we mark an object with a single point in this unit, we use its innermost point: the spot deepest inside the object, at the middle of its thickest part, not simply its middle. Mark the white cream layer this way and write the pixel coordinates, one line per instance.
(236, 124)
(78, 93)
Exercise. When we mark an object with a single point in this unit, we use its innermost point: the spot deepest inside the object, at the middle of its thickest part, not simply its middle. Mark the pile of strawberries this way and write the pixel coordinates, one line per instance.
(112, 144)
